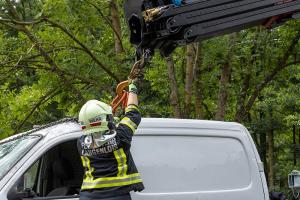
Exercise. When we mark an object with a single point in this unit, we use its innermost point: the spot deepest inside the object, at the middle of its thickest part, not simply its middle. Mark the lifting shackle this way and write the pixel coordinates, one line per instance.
(135, 73)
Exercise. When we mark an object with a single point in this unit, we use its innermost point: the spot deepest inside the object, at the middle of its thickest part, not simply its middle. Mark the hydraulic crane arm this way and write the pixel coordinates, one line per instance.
(166, 24)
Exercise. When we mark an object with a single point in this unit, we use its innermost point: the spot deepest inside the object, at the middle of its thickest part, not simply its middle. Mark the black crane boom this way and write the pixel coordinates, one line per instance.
(166, 24)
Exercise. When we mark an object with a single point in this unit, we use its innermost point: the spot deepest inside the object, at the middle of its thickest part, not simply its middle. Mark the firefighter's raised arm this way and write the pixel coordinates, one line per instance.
(132, 118)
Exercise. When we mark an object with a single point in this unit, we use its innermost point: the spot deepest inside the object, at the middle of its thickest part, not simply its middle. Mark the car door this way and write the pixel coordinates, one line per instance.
(45, 174)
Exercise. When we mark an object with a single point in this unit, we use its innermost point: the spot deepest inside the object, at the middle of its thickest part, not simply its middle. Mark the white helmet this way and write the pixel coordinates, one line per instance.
(96, 120)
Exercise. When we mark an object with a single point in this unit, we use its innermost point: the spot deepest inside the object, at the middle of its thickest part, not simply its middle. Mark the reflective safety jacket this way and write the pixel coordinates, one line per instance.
(109, 170)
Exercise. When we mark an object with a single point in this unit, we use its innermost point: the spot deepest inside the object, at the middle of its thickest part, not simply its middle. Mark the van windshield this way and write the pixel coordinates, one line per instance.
(12, 151)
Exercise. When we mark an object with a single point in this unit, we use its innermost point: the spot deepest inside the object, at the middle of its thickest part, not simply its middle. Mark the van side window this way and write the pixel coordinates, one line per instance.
(25, 186)
(31, 175)
(191, 163)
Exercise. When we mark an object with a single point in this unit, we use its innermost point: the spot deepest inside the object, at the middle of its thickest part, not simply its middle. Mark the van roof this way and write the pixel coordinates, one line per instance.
(187, 123)
(69, 125)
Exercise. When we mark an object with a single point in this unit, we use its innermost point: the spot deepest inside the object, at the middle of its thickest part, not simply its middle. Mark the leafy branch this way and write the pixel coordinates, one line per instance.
(40, 102)
(282, 64)
(85, 48)
(41, 50)
(107, 21)
(12, 21)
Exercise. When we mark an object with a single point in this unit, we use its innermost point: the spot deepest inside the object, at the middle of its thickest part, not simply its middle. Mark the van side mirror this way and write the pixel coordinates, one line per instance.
(13, 194)
(17, 192)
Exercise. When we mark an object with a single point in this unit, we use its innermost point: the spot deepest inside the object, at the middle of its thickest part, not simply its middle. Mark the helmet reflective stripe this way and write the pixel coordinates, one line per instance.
(95, 123)
(94, 128)
(112, 181)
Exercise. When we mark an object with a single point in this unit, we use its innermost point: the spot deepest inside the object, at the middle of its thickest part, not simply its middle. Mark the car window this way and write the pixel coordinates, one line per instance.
(12, 151)
(26, 183)
(31, 175)
(57, 174)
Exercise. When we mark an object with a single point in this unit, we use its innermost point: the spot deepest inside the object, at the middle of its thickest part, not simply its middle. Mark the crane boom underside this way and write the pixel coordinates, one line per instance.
(160, 24)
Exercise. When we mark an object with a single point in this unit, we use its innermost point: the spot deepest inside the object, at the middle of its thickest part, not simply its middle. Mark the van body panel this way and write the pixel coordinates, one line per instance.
(260, 165)
(177, 159)
(212, 163)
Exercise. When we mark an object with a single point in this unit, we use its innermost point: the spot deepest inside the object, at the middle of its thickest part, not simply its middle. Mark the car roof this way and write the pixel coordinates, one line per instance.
(70, 125)
(63, 126)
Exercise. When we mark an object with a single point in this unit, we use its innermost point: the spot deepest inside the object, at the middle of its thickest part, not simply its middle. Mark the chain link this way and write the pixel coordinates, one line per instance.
(137, 70)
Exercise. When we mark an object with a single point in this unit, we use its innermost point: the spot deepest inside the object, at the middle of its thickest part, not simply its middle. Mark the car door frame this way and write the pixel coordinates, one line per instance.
(43, 146)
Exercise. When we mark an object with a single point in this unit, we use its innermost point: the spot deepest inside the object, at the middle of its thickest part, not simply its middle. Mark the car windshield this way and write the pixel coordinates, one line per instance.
(12, 151)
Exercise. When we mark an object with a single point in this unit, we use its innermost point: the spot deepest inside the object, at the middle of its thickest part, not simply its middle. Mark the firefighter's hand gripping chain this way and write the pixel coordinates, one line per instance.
(135, 75)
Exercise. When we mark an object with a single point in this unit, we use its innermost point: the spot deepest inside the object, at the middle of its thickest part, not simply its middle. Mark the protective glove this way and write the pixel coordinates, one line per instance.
(132, 86)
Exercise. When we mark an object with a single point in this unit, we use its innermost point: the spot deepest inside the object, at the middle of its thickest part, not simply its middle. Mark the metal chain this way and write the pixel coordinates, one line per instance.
(137, 71)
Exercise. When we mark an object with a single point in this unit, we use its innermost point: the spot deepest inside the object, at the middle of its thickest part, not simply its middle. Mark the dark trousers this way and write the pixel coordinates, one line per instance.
(123, 197)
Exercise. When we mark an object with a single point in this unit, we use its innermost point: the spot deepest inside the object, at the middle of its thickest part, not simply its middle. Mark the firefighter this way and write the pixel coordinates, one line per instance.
(109, 169)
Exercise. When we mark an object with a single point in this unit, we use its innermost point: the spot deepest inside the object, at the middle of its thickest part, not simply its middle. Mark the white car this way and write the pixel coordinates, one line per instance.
(178, 160)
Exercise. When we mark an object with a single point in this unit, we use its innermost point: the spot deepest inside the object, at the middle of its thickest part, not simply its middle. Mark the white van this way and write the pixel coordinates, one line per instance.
(178, 160)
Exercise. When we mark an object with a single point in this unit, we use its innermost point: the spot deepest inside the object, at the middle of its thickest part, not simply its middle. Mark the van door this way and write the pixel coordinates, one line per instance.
(207, 164)
(56, 174)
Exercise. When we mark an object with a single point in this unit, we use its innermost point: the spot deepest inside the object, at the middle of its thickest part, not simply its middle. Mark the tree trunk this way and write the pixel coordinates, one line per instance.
(262, 141)
(254, 134)
(115, 17)
(271, 162)
(299, 137)
(174, 94)
(189, 75)
(223, 92)
(198, 85)
(294, 145)
(242, 97)
(224, 81)
(243, 94)
(246, 80)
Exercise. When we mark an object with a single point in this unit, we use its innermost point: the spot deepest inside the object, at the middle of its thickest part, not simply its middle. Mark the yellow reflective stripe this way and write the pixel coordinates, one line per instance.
(112, 181)
(87, 164)
(119, 163)
(113, 178)
(83, 161)
(123, 155)
(122, 160)
(131, 107)
(93, 186)
(129, 123)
